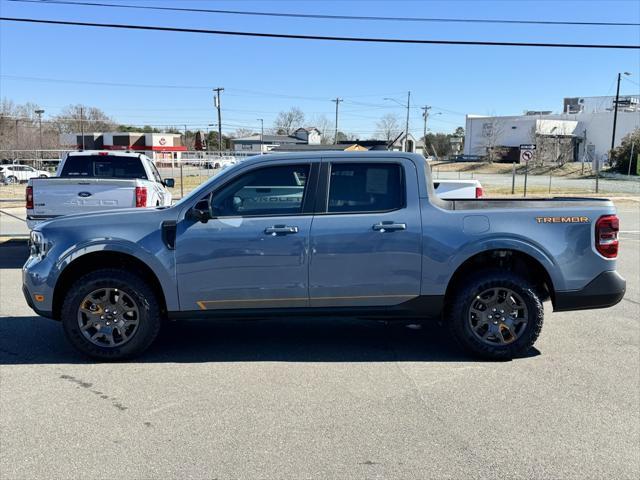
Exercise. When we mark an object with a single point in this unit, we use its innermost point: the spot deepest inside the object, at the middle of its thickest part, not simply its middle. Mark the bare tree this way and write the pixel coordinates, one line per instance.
(388, 127)
(74, 117)
(288, 122)
(20, 128)
(492, 131)
(326, 128)
(242, 132)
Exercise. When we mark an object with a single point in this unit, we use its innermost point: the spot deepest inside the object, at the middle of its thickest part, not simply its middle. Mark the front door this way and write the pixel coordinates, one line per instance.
(254, 254)
(366, 241)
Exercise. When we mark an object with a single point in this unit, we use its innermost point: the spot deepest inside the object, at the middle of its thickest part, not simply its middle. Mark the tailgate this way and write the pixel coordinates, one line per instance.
(65, 196)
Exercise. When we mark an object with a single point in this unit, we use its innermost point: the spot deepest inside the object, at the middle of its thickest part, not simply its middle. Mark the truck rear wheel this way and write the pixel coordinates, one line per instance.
(111, 314)
(496, 315)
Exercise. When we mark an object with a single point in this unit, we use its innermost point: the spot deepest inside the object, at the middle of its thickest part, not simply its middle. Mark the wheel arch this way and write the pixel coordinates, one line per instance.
(104, 259)
(509, 259)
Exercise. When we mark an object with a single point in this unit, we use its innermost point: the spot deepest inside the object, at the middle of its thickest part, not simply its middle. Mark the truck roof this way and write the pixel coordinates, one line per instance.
(415, 157)
(116, 153)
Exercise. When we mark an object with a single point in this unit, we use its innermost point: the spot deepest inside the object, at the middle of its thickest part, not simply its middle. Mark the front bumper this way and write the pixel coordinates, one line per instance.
(606, 290)
(35, 281)
(32, 305)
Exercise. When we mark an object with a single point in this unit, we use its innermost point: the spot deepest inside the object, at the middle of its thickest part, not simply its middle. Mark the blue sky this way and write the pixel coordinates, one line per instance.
(264, 76)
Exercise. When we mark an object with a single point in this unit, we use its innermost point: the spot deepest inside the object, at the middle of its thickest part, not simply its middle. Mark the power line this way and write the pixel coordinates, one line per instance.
(407, 41)
(174, 86)
(333, 17)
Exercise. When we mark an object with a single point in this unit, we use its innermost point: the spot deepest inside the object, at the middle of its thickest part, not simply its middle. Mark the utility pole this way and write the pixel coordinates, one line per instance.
(261, 135)
(337, 101)
(425, 115)
(82, 125)
(17, 136)
(39, 113)
(615, 112)
(217, 104)
(406, 131)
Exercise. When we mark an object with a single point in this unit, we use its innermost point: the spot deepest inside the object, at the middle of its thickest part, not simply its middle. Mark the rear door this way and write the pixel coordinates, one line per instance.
(366, 235)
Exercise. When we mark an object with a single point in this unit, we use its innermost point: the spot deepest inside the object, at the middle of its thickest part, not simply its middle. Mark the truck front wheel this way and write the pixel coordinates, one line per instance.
(111, 314)
(495, 314)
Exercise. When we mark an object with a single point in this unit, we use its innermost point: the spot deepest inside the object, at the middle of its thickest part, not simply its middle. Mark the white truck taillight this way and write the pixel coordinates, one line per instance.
(29, 198)
(607, 228)
(141, 196)
(479, 192)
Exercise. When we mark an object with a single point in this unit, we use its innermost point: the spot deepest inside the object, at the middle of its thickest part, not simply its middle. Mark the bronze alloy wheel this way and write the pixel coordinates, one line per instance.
(108, 317)
(498, 316)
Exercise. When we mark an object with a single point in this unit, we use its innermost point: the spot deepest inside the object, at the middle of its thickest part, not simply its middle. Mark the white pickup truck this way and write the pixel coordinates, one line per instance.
(90, 181)
(458, 189)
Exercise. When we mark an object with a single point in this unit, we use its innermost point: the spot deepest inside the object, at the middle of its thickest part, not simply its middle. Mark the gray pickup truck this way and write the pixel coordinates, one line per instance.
(357, 234)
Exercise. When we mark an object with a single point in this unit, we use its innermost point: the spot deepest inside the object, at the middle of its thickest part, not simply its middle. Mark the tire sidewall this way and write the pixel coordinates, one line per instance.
(149, 323)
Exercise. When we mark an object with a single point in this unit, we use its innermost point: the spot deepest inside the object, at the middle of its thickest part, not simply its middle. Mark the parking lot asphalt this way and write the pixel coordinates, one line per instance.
(301, 398)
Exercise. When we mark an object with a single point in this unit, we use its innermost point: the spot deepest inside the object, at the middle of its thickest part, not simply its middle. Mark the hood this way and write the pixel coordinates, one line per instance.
(112, 221)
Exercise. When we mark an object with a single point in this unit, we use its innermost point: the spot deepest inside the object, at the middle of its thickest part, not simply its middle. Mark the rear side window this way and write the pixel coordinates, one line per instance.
(365, 187)
(103, 166)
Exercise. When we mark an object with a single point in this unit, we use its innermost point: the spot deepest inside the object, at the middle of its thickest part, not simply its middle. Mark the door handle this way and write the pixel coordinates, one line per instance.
(389, 227)
(280, 230)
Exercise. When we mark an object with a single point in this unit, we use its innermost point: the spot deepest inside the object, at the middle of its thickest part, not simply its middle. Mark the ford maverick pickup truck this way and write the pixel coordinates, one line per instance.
(325, 234)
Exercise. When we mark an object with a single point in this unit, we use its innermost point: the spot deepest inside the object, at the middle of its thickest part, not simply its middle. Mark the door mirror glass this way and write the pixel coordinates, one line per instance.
(169, 182)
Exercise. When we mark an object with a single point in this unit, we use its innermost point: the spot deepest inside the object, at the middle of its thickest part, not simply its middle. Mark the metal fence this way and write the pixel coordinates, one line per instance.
(191, 169)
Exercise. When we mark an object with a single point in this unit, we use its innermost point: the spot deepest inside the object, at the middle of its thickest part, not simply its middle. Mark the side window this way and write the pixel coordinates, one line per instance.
(154, 171)
(264, 191)
(365, 187)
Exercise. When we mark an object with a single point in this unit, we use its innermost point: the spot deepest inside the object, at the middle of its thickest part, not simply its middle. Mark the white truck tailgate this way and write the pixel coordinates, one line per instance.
(66, 196)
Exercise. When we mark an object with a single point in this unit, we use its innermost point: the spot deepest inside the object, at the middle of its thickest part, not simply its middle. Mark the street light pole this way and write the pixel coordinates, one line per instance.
(615, 112)
(261, 135)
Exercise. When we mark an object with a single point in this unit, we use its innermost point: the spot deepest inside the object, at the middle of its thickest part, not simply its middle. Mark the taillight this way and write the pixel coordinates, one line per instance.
(607, 228)
(479, 192)
(141, 196)
(30, 197)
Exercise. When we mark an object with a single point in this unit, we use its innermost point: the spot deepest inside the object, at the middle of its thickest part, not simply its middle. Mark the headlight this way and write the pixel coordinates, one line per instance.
(38, 244)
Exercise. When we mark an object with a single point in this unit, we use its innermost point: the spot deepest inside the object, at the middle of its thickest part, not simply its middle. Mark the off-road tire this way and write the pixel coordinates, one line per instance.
(456, 314)
(149, 311)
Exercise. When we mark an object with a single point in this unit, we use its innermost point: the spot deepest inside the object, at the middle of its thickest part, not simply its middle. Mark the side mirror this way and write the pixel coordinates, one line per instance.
(169, 182)
(202, 211)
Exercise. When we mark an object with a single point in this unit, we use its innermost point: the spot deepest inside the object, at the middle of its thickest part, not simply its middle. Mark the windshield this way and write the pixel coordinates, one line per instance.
(103, 166)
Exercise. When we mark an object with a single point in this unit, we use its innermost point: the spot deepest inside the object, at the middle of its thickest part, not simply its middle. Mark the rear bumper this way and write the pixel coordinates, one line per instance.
(604, 291)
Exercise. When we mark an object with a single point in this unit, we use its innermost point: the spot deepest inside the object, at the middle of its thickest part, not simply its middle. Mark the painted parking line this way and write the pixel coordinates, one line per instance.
(13, 216)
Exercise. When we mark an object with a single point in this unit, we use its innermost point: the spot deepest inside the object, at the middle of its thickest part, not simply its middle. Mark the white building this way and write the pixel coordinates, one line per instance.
(592, 121)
